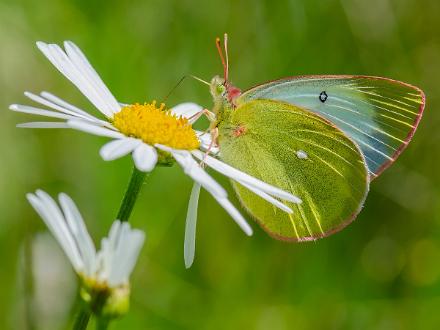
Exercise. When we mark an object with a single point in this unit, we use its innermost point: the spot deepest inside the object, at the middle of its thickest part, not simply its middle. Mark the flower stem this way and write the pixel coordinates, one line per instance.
(82, 320)
(97, 305)
(131, 194)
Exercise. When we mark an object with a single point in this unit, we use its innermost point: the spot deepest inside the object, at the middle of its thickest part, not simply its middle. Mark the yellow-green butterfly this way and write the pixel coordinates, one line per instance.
(322, 138)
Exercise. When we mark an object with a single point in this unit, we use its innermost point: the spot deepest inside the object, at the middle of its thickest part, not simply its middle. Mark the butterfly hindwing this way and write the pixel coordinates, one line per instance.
(300, 152)
(379, 114)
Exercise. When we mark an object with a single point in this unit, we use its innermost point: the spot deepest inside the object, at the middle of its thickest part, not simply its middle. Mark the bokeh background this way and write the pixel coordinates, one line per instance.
(382, 272)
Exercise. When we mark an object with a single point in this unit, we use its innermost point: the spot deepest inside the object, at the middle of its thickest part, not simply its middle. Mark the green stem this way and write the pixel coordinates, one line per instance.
(131, 194)
(82, 320)
(102, 322)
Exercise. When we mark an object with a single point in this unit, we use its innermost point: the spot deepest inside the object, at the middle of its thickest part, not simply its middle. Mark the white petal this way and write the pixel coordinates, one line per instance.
(205, 138)
(267, 197)
(40, 112)
(79, 232)
(187, 109)
(53, 218)
(118, 148)
(206, 142)
(55, 99)
(190, 226)
(136, 239)
(145, 157)
(81, 62)
(79, 80)
(109, 246)
(102, 269)
(114, 231)
(61, 223)
(124, 251)
(106, 253)
(67, 110)
(193, 169)
(47, 103)
(235, 174)
(79, 74)
(94, 129)
(43, 124)
(116, 241)
(125, 257)
(62, 62)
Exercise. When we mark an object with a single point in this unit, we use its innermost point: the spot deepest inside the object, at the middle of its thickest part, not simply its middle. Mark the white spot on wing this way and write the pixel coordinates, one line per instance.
(301, 154)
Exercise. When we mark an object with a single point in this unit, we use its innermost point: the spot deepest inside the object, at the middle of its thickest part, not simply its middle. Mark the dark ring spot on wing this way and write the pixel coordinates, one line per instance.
(323, 96)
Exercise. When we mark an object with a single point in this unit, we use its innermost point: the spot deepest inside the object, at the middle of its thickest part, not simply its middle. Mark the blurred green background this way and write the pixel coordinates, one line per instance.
(382, 272)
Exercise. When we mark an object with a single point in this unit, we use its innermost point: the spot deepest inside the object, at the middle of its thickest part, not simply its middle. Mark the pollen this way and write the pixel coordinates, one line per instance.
(154, 124)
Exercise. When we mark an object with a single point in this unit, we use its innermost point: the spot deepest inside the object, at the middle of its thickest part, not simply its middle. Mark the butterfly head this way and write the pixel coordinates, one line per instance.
(218, 88)
(221, 89)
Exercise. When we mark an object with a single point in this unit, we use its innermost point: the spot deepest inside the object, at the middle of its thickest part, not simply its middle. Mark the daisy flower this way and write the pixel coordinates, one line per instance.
(105, 272)
(153, 134)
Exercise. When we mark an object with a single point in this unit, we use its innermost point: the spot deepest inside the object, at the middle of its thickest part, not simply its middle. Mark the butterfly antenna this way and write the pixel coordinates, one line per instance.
(226, 56)
(220, 52)
(200, 79)
(174, 88)
(180, 81)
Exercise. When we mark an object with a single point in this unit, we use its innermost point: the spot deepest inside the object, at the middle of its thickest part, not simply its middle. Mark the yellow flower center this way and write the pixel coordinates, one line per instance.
(154, 124)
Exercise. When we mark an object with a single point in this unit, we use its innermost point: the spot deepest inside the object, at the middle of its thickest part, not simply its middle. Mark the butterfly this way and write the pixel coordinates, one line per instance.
(323, 138)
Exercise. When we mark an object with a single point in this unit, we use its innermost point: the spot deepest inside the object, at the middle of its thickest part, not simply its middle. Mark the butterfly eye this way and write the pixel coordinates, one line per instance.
(221, 89)
(323, 96)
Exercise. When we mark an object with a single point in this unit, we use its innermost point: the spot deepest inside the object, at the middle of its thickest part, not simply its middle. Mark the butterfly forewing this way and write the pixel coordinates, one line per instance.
(300, 152)
(379, 114)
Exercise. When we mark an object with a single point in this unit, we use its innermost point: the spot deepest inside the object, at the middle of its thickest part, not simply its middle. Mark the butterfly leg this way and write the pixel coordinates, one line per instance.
(214, 137)
(214, 131)
(205, 112)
